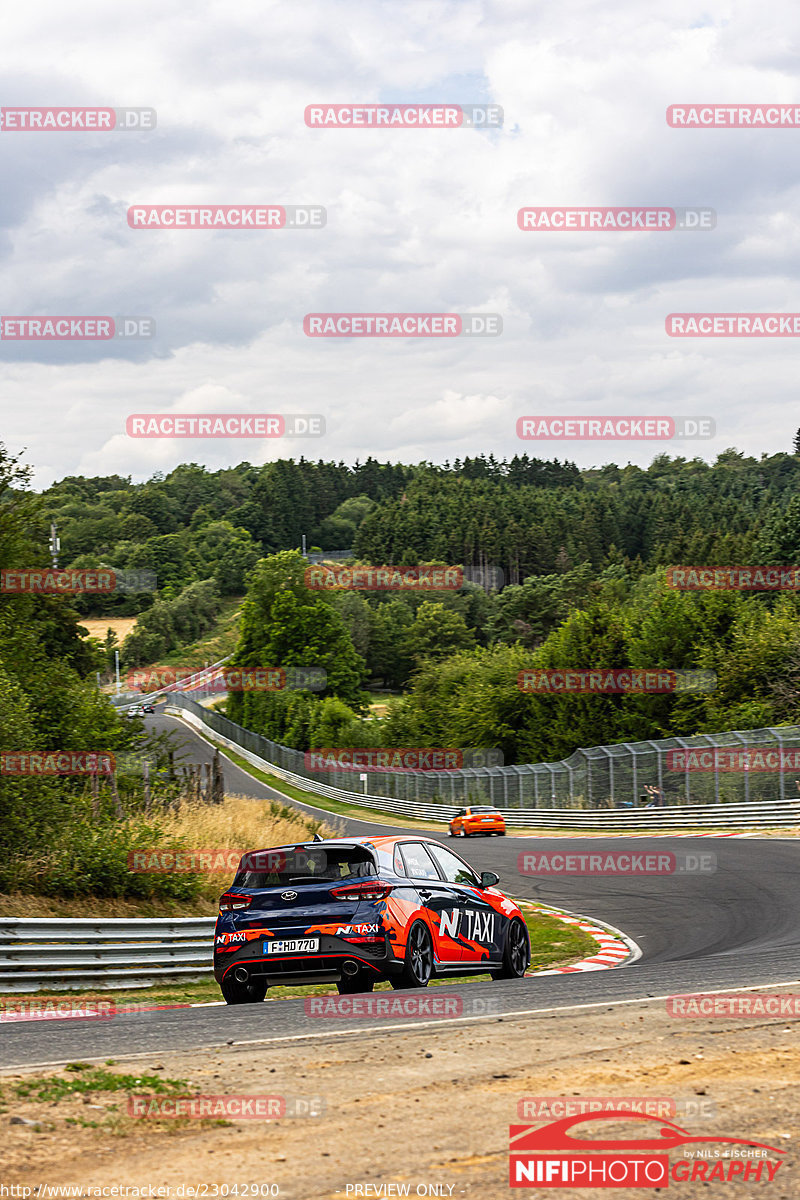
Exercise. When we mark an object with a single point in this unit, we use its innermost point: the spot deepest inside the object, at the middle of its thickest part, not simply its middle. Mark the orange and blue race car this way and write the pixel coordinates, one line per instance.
(478, 818)
(355, 911)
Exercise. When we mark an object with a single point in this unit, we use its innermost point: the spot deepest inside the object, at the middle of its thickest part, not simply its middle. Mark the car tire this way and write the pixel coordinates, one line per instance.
(252, 992)
(462, 832)
(417, 969)
(351, 986)
(516, 952)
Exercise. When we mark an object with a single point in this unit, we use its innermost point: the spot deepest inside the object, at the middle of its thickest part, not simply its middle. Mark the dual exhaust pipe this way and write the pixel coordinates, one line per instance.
(349, 968)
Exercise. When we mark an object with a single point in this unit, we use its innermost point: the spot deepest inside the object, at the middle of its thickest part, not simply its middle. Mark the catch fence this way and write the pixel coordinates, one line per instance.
(744, 767)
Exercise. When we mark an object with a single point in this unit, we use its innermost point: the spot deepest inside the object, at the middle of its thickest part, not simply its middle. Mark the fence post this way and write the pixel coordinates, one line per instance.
(632, 753)
(716, 777)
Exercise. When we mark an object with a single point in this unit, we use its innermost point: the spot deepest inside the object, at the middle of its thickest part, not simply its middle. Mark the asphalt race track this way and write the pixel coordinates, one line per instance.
(737, 927)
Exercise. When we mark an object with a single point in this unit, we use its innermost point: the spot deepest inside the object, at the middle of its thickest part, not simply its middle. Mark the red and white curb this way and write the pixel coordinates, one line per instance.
(616, 948)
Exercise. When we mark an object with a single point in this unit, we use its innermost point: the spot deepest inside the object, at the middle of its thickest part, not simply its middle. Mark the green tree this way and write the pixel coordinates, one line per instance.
(225, 553)
(438, 632)
(287, 624)
(391, 657)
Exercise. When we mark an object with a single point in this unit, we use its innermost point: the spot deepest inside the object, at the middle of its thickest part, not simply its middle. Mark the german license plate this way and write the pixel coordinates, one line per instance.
(292, 946)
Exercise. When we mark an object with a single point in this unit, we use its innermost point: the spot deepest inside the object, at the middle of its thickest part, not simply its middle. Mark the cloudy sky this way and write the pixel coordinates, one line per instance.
(417, 221)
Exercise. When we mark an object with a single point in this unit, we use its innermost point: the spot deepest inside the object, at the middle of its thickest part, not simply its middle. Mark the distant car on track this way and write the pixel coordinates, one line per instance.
(355, 911)
(477, 818)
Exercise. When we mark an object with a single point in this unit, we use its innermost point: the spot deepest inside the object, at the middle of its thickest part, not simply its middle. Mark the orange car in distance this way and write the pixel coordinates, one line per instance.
(479, 818)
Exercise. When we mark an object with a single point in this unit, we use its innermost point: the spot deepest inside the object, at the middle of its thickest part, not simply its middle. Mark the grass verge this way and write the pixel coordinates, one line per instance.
(553, 944)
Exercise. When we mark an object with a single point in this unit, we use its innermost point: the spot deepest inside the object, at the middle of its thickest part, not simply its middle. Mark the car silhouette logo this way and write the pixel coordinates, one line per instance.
(556, 1135)
(288, 895)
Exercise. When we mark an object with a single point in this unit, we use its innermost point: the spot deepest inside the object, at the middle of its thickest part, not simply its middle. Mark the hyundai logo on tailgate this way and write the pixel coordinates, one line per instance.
(288, 895)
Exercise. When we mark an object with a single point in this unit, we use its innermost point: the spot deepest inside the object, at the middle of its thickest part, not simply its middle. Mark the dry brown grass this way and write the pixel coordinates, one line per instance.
(240, 823)
(98, 627)
(24, 904)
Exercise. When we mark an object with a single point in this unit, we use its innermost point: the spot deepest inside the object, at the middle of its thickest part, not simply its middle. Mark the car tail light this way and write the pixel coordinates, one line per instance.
(362, 891)
(234, 901)
(369, 939)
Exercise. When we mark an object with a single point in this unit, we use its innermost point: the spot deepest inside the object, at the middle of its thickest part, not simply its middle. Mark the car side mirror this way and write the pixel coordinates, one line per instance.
(488, 879)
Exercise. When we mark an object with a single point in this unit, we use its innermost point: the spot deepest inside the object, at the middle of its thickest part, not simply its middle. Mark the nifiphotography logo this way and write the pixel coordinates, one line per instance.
(551, 1156)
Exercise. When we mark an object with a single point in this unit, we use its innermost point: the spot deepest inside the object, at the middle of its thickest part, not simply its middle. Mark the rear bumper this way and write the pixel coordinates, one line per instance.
(377, 959)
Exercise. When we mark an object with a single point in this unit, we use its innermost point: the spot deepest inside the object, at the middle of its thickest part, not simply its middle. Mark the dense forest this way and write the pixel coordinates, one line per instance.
(583, 556)
(526, 517)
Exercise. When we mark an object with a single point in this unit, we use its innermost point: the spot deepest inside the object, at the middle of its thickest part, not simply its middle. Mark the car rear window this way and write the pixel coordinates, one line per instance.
(277, 868)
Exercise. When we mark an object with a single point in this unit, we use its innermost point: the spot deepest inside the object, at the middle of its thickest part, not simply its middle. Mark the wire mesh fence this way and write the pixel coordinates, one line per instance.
(739, 767)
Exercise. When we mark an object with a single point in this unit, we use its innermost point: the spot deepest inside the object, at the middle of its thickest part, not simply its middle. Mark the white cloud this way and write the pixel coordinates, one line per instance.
(417, 221)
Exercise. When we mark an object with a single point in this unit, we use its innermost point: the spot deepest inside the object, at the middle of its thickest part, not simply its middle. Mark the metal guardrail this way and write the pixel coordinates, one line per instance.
(774, 813)
(59, 953)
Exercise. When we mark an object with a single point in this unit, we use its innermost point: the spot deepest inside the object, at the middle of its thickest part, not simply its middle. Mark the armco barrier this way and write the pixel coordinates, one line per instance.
(60, 953)
(772, 813)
